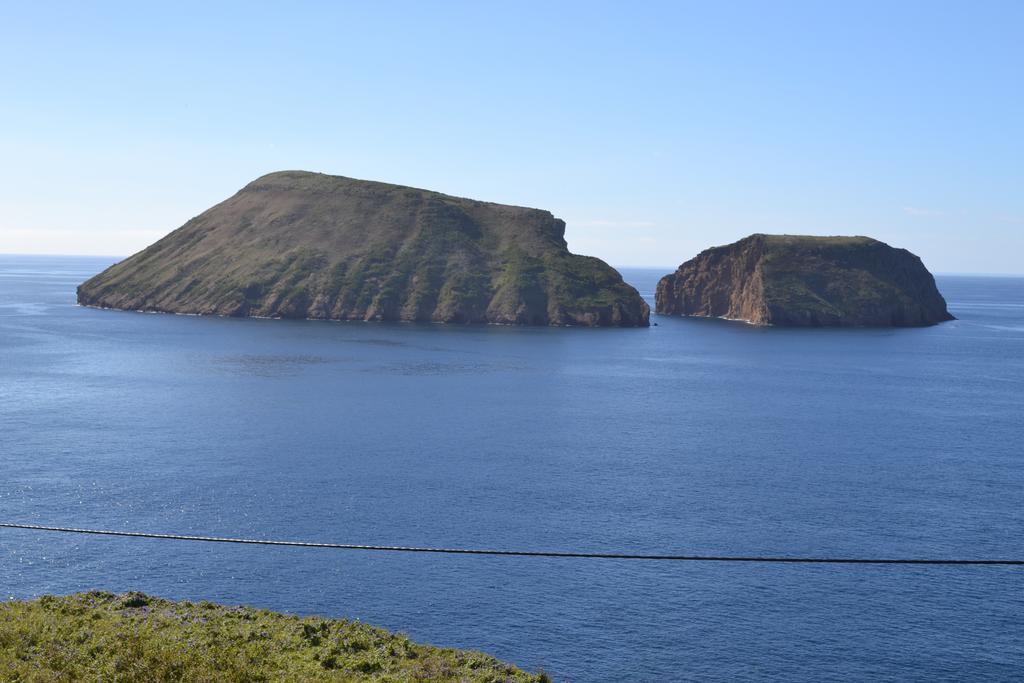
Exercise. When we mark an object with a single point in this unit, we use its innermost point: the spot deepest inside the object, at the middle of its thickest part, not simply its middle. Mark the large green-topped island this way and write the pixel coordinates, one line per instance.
(307, 245)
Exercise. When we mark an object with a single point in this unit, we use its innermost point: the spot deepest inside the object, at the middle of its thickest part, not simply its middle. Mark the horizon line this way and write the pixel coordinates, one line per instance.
(669, 269)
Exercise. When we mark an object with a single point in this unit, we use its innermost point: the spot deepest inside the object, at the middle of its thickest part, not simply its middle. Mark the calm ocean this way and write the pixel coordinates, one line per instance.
(693, 436)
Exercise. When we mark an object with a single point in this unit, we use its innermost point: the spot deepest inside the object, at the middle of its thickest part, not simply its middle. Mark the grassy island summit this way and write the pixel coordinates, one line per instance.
(134, 637)
(307, 245)
(805, 281)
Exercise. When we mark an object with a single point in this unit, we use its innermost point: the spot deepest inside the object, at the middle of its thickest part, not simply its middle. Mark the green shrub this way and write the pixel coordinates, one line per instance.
(135, 637)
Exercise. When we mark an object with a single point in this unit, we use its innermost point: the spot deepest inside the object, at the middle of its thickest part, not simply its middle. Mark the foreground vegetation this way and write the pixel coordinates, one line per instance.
(134, 637)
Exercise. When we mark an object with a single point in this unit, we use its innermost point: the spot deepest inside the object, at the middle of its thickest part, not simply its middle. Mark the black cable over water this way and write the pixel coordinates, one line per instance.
(515, 553)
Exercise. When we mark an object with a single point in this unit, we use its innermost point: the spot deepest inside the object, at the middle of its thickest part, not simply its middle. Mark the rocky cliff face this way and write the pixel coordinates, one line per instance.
(805, 281)
(307, 245)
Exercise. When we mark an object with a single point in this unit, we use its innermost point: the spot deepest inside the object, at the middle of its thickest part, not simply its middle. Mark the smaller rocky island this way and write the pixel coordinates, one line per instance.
(805, 281)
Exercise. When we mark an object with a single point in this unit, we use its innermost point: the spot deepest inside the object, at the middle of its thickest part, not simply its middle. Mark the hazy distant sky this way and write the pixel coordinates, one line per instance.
(654, 129)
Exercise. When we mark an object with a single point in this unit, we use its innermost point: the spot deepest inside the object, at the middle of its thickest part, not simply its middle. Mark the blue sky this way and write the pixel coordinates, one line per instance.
(654, 129)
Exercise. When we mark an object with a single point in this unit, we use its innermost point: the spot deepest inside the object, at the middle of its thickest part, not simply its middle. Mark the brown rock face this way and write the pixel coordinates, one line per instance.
(791, 280)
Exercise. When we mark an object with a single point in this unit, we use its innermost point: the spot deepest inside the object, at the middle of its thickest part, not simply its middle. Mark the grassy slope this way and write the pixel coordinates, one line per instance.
(816, 276)
(295, 244)
(858, 279)
(133, 637)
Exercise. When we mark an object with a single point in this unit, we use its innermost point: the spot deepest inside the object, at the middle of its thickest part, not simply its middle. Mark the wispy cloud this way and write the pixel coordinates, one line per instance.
(917, 211)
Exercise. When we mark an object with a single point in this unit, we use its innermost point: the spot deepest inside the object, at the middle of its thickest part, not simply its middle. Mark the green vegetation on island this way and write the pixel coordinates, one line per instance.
(307, 245)
(134, 637)
(805, 281)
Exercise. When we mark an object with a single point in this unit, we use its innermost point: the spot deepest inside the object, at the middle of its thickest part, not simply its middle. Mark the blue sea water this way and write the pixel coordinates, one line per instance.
(693, 436)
